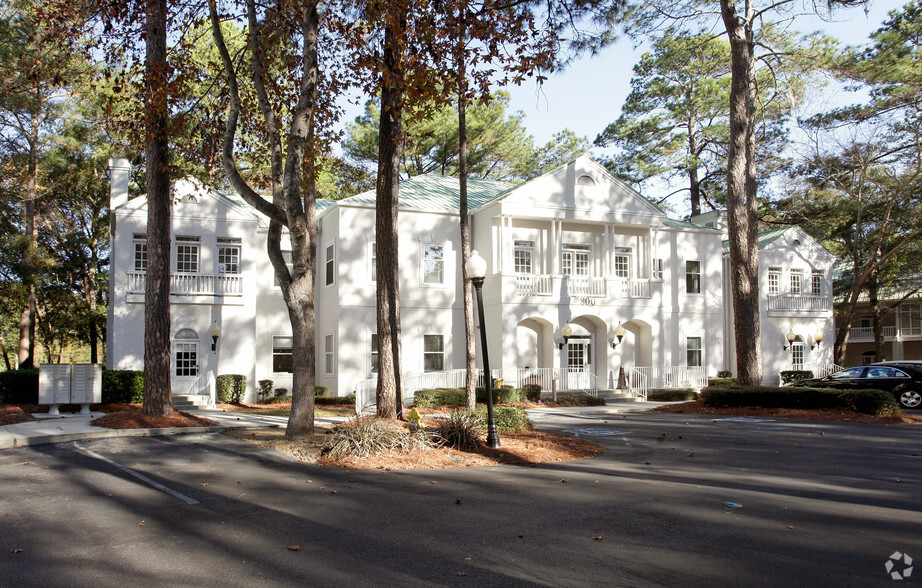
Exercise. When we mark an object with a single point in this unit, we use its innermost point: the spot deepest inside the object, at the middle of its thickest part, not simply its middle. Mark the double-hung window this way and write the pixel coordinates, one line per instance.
(373, 360)
(622, 262)
(228, 255)
(329, 354)
(693, 352)
(140, 252)
(693, 277)
(281, 355)
(433, 353)
(797, 282)
(373, 260)
(816, 283)
(774, 280)
(330, 265)
(433, 264)
(576, 260)
(524, 257)
(187, 254)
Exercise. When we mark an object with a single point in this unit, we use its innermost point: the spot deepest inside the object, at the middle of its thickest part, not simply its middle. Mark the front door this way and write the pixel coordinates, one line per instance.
(578, 352)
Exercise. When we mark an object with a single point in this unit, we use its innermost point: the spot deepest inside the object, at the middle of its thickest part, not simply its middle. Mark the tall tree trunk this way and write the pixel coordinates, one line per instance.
(90, 297)
(741, 197)
(158, 399)
(470, 350)
(28, 317)
(876, 319)
(388, 392)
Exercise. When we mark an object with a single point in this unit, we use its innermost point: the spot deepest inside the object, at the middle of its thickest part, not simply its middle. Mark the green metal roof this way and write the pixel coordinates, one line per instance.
(764, 239)
(435, 193)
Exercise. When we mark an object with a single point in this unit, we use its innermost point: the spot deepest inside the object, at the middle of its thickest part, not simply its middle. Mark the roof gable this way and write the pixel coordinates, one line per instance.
(581, 189)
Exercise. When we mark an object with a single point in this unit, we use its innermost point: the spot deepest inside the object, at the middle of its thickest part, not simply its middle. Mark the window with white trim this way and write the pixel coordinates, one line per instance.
(329, 354)
(658, 268)
(374, 355)
(693, 352)
(433, 353)
(433, 264)
(774, 280)
(228, 255)
(816, 283)
(330, 265)
(289, 263)
(797, 282)
(140, 252)
(282, 360)
(187, 254)
(623, 262)
(693, 277)
(185, 353)
(524, 257)
(576, 260)
(373, 260)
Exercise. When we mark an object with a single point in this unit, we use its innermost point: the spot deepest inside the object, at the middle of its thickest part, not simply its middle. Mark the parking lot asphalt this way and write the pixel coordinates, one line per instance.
(674, 500)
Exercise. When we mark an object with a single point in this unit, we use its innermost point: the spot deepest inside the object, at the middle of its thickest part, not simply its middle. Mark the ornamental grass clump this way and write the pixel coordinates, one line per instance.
(461, 430)
(368, 436)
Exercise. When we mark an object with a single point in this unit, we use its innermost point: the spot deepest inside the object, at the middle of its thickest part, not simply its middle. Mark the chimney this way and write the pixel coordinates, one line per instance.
(118, 182)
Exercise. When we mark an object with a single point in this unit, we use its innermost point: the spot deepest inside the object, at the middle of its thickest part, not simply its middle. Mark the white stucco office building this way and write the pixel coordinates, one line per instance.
(574, 251)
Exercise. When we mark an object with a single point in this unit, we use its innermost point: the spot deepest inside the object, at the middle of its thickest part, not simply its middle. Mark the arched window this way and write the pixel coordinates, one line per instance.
(585, 181)
(185, 353)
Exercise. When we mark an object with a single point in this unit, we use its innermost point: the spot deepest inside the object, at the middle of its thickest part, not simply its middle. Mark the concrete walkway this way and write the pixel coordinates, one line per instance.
(72, 427)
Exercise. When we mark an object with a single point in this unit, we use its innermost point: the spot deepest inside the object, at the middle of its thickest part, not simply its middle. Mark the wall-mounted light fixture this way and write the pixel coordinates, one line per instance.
(565, 332)
(817, 338)
(215, 332)
(790, 337)
(616, 335)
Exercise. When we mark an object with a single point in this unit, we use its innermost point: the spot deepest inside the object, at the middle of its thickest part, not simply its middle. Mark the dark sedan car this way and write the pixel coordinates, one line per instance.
(902, 378)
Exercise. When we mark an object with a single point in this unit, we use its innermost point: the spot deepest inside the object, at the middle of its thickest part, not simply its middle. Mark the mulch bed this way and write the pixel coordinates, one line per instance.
(133, 418)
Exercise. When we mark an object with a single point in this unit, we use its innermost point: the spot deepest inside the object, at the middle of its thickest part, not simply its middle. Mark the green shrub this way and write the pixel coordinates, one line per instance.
(671, 395)
(265, 390)
(874, 402)
(279, 392)
(122, 386)
(461, 430)
(230, 387)
(580, 400)
(321, 391)
(335, 400)
(532, 392)
(722, 381)
(19, 386)
(509, 419)
(724, 374)
(789, 376)
(436, 397)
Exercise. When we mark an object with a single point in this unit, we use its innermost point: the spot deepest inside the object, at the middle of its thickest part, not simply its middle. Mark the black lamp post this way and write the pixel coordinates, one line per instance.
(476, 268)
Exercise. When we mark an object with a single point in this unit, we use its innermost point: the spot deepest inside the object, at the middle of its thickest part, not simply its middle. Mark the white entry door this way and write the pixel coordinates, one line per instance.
(578, 352)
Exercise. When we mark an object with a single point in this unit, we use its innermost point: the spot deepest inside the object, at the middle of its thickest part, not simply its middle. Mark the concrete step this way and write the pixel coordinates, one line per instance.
(190, 401)
(614, 396)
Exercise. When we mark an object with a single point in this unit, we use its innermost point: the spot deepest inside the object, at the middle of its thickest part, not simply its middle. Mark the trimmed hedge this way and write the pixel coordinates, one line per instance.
(789, 376)
(579, 400)
(873, 402)
(19, 386)
(671, 395)
(122, 386)
(321, 391)
(718, 381)
(436, 397)
(230, 387)
(335, 400)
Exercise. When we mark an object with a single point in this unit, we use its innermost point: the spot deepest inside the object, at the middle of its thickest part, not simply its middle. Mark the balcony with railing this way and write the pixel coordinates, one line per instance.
(799, 303)
(578, 286)
(891, 332)
(192, 284)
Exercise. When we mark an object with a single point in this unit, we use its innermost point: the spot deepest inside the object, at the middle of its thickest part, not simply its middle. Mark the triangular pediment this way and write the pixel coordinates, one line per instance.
(580, 190)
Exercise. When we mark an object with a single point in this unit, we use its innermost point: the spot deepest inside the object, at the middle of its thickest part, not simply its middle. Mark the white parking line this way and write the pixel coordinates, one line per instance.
(139, 476)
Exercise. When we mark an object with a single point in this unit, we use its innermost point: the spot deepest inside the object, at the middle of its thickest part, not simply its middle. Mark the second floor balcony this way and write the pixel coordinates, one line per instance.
(799, 302)
(890, 332)
(192, 284)
(579, 286)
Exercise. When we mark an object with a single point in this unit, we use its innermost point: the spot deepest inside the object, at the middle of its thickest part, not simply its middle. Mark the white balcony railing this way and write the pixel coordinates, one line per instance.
(796, 302)
(192, 284)
(856, 334)
(632, 288)
(533, 285)
(586, 286)
(671, 376)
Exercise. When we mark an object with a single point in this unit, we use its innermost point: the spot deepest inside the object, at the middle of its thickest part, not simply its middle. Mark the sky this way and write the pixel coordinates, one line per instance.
(588, 96)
